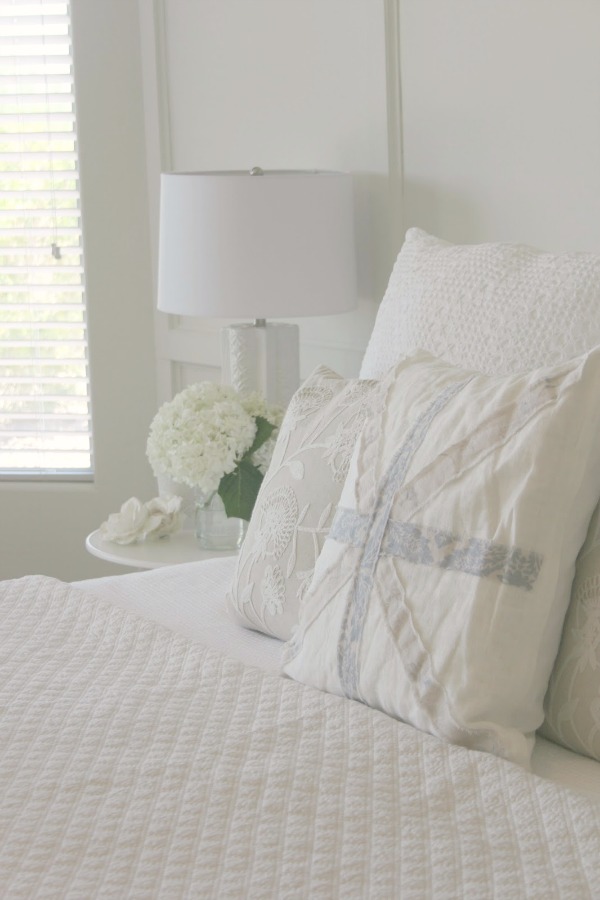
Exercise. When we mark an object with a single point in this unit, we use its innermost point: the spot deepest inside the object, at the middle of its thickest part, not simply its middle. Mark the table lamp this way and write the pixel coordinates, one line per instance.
(257, 245)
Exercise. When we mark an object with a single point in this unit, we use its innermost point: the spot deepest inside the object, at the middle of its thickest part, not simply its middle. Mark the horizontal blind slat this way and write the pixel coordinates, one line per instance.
(24, 379)
(40, 232)
(40, 269)
(12, 82)
(31, 254)
(33, 194)
(14, 117)
(28, 137)
(34, 178)
(35, 99)
(42, 8)
(12, 155)
(39, 308)
(55, 287)
(69, 400)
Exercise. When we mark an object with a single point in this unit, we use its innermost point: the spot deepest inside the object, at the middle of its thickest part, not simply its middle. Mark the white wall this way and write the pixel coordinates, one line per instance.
(501, 141)
(43, 526)
(478, 123)
(294, 84)
(501, 120)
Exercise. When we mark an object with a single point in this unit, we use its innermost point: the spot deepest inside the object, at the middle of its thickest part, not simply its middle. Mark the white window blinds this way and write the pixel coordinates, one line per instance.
(45, 425)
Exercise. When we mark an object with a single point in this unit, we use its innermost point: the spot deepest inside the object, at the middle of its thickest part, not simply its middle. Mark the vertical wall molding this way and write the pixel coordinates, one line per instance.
(159, 158)
(393, 77)
(162, 85)
(156, 106)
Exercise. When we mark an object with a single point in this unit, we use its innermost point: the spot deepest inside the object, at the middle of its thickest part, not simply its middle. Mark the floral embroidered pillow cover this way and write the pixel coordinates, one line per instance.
(297, 501)
(441, 589)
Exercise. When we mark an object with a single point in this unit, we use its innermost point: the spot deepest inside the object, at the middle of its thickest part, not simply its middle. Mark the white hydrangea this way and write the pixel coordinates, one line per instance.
(200, 435)
(256, 405)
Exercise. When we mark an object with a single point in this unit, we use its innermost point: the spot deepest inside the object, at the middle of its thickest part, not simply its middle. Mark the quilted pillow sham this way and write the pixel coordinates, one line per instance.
(441, 589)
(497, 308)
(297, 501)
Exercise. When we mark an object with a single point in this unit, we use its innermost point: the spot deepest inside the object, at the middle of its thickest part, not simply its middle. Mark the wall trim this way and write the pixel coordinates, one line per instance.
(162, 85)
(393, 77)
(159, 157)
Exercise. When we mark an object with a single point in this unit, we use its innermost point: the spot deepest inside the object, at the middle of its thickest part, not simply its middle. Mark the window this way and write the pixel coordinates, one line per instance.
(45, 422)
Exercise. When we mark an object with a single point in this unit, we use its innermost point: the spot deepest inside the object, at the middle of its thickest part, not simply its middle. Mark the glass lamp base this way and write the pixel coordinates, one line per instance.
(263, 357)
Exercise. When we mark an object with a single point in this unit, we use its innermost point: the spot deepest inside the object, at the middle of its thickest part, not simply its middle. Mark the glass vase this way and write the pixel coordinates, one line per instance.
(214, 530)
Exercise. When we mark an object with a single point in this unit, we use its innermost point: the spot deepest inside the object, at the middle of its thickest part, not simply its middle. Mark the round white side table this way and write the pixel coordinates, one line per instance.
(181, 547)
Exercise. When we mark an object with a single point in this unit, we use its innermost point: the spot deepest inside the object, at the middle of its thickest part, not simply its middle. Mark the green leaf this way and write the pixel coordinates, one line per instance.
(239, 490)
(264, 430)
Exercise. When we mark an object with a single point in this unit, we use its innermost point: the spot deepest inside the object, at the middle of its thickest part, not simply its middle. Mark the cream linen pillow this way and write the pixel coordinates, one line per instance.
(297, 501)
(501, 309)
(441, 590)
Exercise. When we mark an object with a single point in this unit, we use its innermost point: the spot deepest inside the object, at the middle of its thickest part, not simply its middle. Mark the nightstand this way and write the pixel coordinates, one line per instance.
(181, 547)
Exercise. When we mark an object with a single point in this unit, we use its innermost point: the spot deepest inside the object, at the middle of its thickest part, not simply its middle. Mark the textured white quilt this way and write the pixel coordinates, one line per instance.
(135, 763)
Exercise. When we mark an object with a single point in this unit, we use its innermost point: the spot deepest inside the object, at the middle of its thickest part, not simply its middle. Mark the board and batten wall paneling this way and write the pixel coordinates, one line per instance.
(501, 120)
(301, 84)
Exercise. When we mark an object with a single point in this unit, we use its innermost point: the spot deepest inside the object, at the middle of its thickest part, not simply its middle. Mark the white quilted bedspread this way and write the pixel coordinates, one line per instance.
(137, 764)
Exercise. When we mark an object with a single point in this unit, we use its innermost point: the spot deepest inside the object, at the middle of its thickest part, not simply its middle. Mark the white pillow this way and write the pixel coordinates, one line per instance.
(497, 308)
(441, 590)
(504, 308)
(573, 700)
(297, 501)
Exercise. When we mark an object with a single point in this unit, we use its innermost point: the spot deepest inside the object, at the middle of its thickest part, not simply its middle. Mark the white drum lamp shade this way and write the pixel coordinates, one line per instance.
(256, 246)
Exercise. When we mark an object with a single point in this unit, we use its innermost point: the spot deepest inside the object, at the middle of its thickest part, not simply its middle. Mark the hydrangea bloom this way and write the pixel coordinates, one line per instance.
(200, 435)
(256, 405)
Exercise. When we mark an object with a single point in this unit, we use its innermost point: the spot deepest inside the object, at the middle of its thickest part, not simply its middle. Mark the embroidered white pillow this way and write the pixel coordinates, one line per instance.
(297, 501)
(441, 590)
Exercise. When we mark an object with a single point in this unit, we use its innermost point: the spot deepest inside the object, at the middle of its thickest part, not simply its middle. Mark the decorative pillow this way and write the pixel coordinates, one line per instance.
(501, 309)
(297, 501)
(441, 590)
(573, 699)
(496, 308)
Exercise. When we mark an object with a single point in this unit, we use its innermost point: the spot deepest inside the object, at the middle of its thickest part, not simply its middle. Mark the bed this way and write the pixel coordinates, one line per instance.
(234, 728)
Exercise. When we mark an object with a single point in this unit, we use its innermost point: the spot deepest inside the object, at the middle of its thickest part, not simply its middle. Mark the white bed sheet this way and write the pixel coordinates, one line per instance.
(190, 600)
